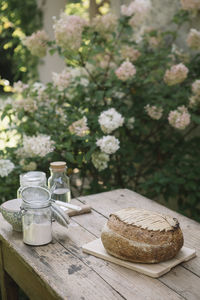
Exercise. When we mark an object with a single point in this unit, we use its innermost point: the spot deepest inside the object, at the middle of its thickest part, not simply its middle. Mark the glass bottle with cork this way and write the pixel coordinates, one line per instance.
(58, 182)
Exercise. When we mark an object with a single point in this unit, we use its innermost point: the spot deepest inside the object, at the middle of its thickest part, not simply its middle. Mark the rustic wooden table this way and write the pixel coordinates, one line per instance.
(61, 271)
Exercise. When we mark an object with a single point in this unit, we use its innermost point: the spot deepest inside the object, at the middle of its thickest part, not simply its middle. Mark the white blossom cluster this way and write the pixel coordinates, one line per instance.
(68, 31)
(29, 104)
(39, 88)
(6, 167)
(61, 80)
(110, 120)
(193, 39)
(179, 118)
(39, 145)
(105, 24)
(138, 9)
(37, 43)
(176, 74)
(100, 160)
(125, 71)
(19, 87)
(79, 127)
(108, 144)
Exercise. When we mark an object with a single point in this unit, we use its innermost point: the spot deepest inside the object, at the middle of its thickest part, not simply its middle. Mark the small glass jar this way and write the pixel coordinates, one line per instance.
(32, 178)
(36, 216)
(58, 182)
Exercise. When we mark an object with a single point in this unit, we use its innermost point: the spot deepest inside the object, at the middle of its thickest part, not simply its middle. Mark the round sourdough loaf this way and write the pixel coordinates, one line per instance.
(143, 236)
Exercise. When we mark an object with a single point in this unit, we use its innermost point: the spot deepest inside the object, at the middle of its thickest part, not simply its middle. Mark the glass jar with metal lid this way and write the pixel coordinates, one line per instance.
(37, 211)
(36, 216)
(32, 178)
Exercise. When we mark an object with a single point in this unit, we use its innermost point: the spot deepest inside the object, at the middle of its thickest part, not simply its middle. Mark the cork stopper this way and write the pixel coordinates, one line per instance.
(58, 165)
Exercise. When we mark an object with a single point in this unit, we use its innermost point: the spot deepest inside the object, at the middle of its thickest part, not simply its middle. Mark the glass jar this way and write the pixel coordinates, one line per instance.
(36, 216)
(32, 178)
(58, 182)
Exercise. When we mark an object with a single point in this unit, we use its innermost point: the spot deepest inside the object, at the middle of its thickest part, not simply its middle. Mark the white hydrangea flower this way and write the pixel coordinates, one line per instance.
(19, 87)
(61, 80)
(79, 127)
(6, 167)
(28, 104)
(37, 43)
(179, 118)
(110, 120)
(100, 160)
(33, 146)
(39, 88)
(108, 144)
(68, 31)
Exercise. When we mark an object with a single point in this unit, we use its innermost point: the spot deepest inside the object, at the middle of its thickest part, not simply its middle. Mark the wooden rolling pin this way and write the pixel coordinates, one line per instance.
(84, 209)
(72, 209)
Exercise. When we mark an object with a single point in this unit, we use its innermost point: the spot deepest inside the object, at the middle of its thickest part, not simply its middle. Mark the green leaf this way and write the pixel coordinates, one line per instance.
(195, 118)
(70, 157)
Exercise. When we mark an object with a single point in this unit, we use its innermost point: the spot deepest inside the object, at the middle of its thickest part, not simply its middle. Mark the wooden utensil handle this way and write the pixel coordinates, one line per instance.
(84, 209)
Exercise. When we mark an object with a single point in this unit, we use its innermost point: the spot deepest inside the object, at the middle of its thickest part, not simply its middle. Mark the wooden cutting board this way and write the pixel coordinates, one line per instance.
(97, 249)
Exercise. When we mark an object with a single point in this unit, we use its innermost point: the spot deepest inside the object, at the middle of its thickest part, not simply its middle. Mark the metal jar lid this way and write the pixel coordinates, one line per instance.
(39, 197)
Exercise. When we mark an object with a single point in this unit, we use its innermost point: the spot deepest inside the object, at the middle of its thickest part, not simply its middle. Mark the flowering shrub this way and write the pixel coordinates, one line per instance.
(124, 113)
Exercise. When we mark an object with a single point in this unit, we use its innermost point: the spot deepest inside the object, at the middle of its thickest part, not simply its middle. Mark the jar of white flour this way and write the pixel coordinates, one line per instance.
(36, 216)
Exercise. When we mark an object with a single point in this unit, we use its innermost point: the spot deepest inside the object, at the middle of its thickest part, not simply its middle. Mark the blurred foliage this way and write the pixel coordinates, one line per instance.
(155, 159)
(17, 19)
(82, 7)
(79, 8)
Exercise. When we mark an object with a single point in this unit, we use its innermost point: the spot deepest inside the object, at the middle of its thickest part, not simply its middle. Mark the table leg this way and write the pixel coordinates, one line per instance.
(9, 289)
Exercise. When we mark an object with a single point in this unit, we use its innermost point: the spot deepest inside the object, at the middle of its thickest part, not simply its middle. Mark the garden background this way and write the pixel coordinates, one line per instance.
(114, 92)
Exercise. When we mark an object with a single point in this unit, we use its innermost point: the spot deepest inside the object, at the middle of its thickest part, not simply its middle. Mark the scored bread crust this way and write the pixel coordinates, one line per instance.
(136, 244)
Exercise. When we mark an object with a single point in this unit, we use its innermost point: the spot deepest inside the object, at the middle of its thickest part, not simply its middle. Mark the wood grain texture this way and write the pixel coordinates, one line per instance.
(125, 282)
(97, 249)
(110, 202)
(51, 272)
(9, 288)
(61, 271)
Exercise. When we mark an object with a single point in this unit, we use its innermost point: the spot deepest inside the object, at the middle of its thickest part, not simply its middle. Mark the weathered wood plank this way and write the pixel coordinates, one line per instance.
(125, 198)
(62, 268)
(130, 284)
(61, 274)
(9, 288)
(105, 203)
(183, 282)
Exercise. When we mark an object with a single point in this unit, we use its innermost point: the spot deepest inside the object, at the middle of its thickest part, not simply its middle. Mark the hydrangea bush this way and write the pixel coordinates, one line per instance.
(124, 111)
